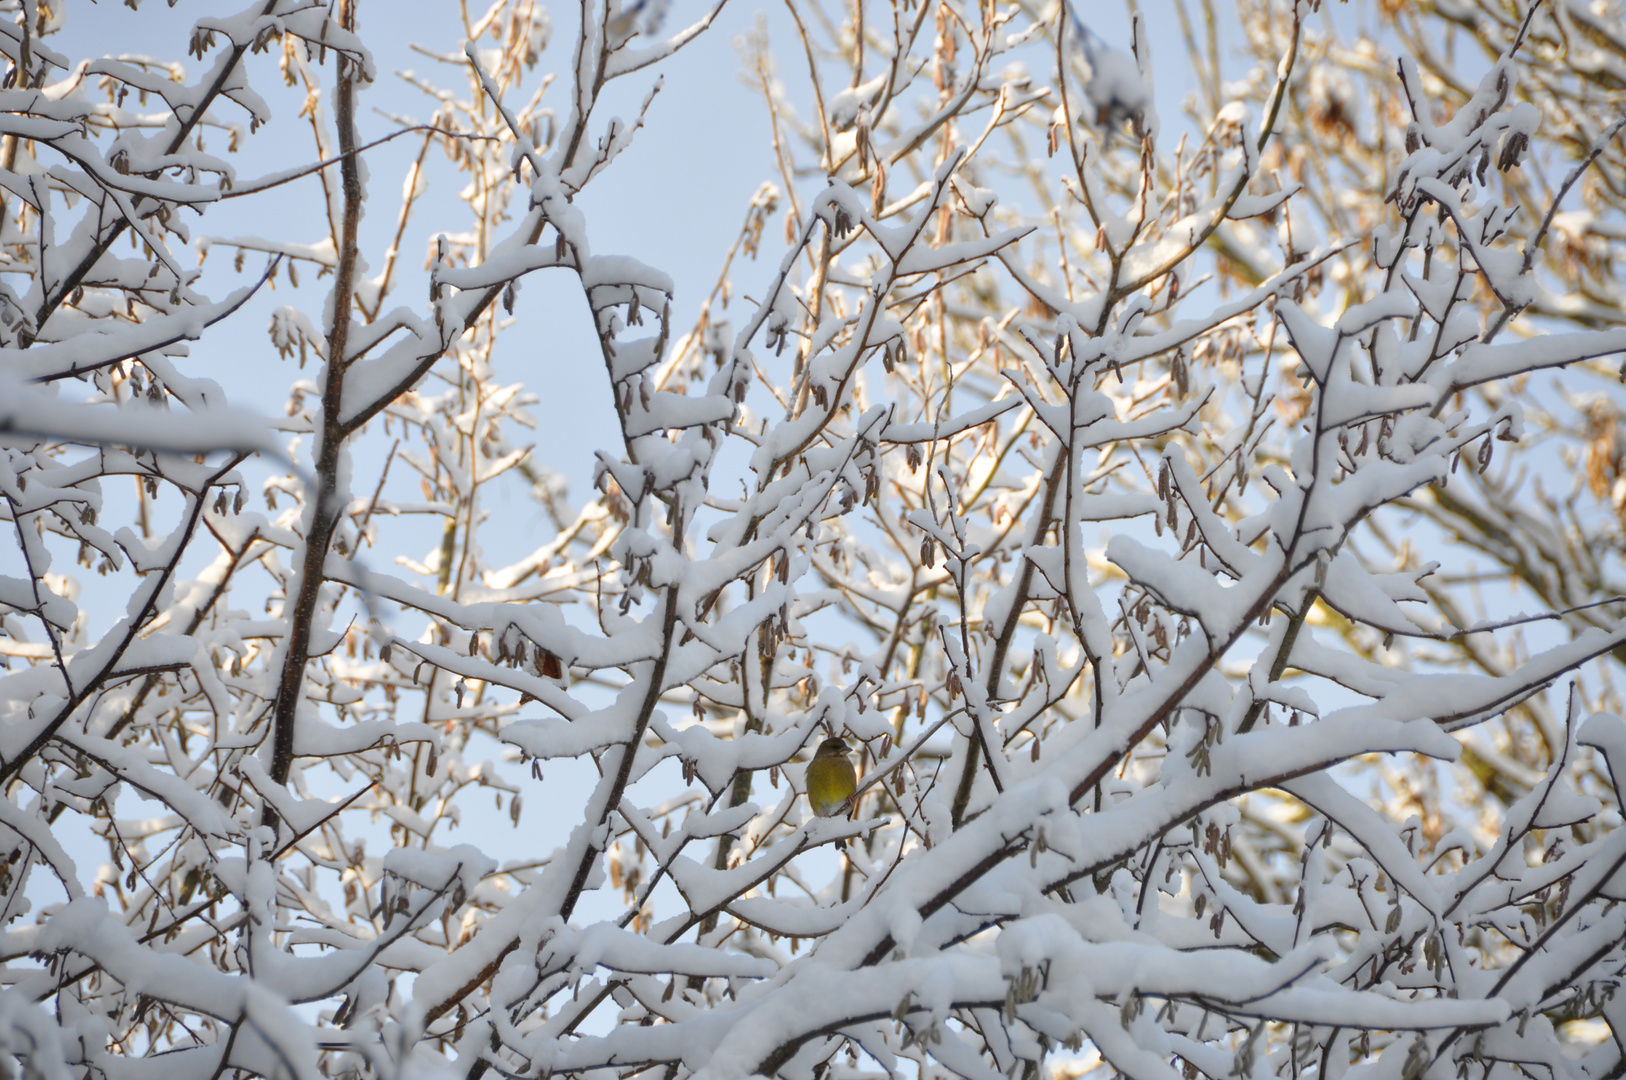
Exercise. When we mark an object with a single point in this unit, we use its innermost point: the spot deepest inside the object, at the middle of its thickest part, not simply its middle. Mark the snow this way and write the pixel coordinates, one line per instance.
(1135, 597)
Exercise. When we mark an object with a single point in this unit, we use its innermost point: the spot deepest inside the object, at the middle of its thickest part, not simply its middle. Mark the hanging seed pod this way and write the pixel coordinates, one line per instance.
(549, 665)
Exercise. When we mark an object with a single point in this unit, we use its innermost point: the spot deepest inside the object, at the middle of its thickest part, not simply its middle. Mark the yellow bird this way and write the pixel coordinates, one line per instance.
(831, 781)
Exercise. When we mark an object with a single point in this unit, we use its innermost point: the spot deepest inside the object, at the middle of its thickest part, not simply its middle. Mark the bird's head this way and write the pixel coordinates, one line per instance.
(833, 748)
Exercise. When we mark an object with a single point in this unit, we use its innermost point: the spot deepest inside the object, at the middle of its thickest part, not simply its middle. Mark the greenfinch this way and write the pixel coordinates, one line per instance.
(831, 781)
